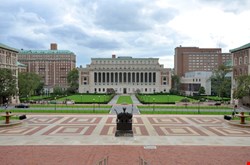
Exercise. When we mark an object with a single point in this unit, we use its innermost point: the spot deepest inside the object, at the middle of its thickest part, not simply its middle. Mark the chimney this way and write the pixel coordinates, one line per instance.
(113, 56)
(53, 46)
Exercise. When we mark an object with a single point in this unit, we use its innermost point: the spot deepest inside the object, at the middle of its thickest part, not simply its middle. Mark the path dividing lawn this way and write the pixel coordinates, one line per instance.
(124, 100)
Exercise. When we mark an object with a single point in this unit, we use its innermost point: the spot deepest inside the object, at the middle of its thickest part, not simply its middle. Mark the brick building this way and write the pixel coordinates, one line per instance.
(8, 59)
(52, 65)
(190, 59)
(195, 66)
(241, 65)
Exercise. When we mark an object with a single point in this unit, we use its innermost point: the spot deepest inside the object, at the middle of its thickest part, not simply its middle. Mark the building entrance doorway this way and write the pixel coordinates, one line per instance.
(124, 90)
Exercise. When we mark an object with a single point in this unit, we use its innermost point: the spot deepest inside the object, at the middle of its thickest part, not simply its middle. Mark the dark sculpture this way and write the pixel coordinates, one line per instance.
(124, 123)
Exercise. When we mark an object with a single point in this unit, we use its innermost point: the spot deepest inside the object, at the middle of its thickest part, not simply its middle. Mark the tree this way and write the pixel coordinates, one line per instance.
(221, 84)
(28, 83)
(58, 91)
(39, 89)
(202, 90)
(7, 83)
(243, 87)
(72, 79)
(175, 85)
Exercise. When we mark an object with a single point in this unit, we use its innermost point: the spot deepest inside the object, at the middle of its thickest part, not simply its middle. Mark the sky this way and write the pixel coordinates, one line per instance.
(137, 28)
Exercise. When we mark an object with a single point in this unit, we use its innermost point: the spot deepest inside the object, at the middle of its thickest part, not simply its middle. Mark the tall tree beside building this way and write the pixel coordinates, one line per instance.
(7, 83)
(243, 87)
(176, 84)
(28, 83)
(73, 78)
(221, 83)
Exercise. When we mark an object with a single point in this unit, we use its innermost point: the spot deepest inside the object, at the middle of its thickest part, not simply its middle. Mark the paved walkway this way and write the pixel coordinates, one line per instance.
(158, 139)
(148, 130)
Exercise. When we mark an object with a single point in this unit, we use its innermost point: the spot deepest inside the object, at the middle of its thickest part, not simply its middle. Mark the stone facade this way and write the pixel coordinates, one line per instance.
(8, 59)
(241, 66)
(52, 65)
(124, 75)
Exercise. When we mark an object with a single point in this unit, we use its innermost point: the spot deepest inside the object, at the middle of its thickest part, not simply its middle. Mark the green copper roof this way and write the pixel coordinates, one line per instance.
(39, 52)
(20, 64)
(240, 48)
(9, 48)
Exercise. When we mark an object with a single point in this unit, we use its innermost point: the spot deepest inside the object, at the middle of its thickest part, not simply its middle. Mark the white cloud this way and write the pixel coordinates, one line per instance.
(138, 28)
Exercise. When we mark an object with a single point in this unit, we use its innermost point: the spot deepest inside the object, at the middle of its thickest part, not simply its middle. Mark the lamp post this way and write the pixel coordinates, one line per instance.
(93, 105)
(81, 98)
(153, 104)
(55, 103)
(199, 107)
(148, 101)
(99, 101)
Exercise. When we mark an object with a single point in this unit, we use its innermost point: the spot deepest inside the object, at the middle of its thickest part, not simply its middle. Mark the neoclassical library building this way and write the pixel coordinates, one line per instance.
(124, 75)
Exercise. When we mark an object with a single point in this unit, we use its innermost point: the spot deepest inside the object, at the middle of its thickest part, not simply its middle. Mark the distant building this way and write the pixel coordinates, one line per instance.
(241, 65)
(190, 59)
(124, 75)
(195, 65)
(8, 59)
(52, 65)
(192, 81)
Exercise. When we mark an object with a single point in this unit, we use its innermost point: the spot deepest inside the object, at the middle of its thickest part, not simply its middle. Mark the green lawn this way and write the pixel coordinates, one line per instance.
(162, 98)
(88, 98)
(67, 106)
(216, 98)
(92, 111)
(183, 107)
(186, 112)
(124, 100)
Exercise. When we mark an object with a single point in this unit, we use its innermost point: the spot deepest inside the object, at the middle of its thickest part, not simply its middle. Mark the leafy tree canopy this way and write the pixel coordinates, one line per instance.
(28, 83)
(221, 84)
(7, 83)
(202, 90)
(243, 87)
(73, 78)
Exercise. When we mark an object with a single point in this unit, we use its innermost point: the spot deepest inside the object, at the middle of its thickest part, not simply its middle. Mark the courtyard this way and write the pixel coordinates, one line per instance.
(85, 139)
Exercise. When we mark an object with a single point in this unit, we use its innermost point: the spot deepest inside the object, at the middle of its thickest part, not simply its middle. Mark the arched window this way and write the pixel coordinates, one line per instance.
(240, 60)
(235, 61)
(245, 60)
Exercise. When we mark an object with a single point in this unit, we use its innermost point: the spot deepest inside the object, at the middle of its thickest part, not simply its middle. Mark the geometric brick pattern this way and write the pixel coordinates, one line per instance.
(155, 125)
(18, 131)
(168, 130)
(138, 130)
(228, 131)
(166, 120)
(43, 120)
(136, 120)
(72, 130)
(82, 120)
(206, 120)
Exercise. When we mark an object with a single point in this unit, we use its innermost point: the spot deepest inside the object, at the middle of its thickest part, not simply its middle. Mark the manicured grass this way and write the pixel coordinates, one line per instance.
(162, 98)
(124, 100)
(184, 107)
(186, 112)
(216, 98)
(88, 98)
(94, 111)
(67, 106)
(12, 118)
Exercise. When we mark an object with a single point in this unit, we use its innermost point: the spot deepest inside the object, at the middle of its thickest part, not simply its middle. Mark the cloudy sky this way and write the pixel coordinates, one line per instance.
(138, 28)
